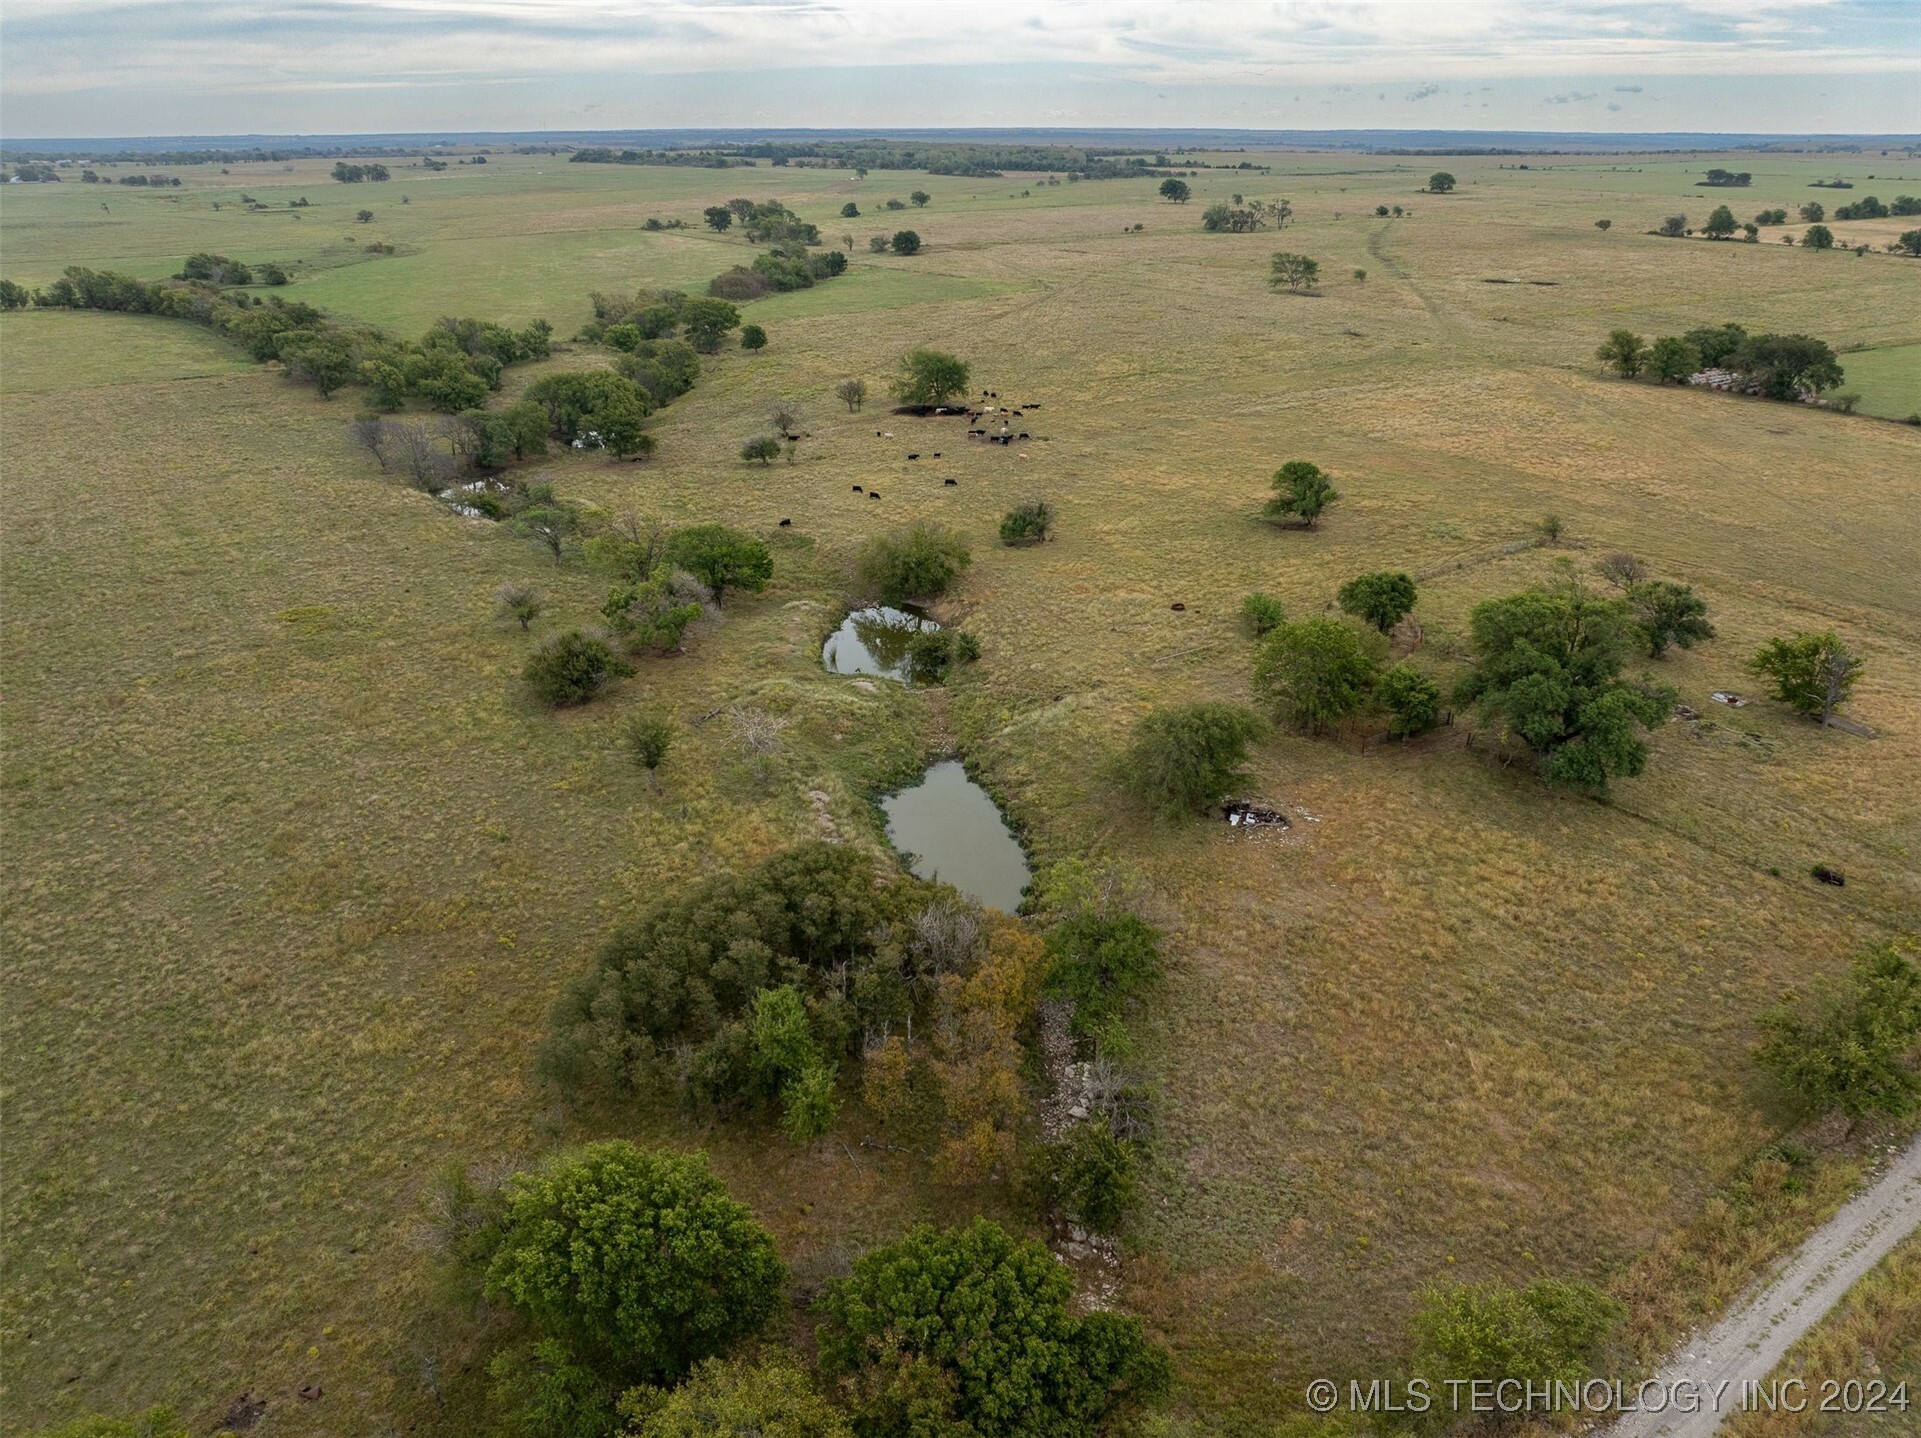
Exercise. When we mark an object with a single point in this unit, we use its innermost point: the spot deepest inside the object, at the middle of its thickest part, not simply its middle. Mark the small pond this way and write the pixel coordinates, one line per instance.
(950, 830)
(874, 641)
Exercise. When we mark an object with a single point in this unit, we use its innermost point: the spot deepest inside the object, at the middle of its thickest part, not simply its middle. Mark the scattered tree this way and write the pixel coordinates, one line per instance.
(1818, 237)
(920, 199)
(1187, 758)
(1317, 672)
(1855, 1050)
(1909, 243)
(1720, 224)
(1625, 351)
(905, 242)
(572, 668)
(552, 526)
(1102, 961)
(1440, 182)
(1669, 614)
(929, 377)
(1547, 668)
(722, 558)
(753, 337)
(970, 1330)
(1302, 491)
(852, 393)
(1604, 224)
(1811, 673)
(706, 322)
(1674, 226)
(1175, 190)
(718, 217)
(1787, 366)
(1383, 598)
(1412, 700)
(763, 448)
(1621, 569)
(648, 737)
(1293, 272)
(637, 1260)
(850, 211)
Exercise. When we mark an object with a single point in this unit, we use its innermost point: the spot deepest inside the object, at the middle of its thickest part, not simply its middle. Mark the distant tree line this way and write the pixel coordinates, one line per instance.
(691, 159)
(354, 174)
(1782, 367)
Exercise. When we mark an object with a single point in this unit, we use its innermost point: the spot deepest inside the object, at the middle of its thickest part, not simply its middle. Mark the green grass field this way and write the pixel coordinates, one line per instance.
(295, 867)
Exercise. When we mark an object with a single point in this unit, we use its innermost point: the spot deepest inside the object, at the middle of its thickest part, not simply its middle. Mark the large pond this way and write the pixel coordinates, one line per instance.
(874, 641)
(950, 830)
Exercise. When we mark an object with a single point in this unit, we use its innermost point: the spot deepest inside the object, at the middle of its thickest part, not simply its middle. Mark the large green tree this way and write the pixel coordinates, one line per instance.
(929, 377)
(1547, 670)
(1316, 672)
(733, 1398)
(921, 561)
(1624, 352)
(1669, 614)
(1787, 365)
(1812, 673)
(637, 1260)
(1301, 491)
(969, 1331)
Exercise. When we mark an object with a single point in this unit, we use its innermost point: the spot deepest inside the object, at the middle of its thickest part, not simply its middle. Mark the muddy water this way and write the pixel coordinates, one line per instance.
(951, 830)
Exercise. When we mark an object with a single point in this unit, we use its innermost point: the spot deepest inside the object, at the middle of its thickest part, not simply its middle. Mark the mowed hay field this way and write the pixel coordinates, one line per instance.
(294, 866)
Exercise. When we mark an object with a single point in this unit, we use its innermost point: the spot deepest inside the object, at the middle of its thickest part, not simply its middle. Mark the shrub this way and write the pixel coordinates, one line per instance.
(1818, 237)
(647, 738)
(1854, 1051)
(919, 562)
(970, 1330)
(1101, 962)
(572, 668)
(1024, 522)
(1672, 360)
(905, 242)
(722, 558)
(637, 1260)
(753, 337)
(1411, 698)
(1316, 672)
(652, 614)
(931, 653)
(1549, 1331)
(1547, 667)
(1810, 673)
(772, 1399)
(1262, 613)
(763, 448)
(1669, 614)
(1091, 1177)
(1186, 758)
(1383, 599)
(1302, 491)
(850, 211)
(518, 602)
(1674, 226)
(929, 377)
(540, 1390)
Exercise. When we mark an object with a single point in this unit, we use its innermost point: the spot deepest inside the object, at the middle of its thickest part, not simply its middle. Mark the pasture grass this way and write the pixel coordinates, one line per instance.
(295, 867)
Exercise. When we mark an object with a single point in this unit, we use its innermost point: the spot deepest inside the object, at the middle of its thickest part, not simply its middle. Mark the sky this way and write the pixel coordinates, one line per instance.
(174, 67)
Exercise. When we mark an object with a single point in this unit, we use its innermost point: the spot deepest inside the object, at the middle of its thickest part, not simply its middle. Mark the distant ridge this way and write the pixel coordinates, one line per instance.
(1372, 141)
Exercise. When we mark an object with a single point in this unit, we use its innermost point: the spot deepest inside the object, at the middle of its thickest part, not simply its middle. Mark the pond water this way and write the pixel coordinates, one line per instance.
(950, 830)
(874, 641)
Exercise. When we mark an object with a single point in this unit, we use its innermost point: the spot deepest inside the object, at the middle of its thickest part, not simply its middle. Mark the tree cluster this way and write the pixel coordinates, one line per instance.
(1784, 367)
(354, 174)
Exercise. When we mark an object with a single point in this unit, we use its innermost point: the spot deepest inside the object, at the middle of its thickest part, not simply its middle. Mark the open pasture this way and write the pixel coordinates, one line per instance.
(295, 866)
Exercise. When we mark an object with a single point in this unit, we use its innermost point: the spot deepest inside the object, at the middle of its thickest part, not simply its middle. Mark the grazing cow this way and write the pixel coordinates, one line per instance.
(1019, 415)
(876, 434)
(873, 493)
(1022, 435)
(888, 435)
(787, 524)
(950, 483)
(1177, 605)
(857, 489)
(936, 454)
(913, 456)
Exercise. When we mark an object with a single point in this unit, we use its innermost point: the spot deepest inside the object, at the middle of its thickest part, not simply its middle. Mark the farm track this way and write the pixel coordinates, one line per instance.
(1746, 1345)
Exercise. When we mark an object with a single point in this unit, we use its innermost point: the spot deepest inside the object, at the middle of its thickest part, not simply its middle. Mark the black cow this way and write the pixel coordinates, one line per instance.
(913, 456)
(857, 489)
(950, 483)
(874, 493)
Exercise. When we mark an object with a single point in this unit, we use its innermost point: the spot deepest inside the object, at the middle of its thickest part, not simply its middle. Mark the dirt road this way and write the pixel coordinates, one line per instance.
(1746, 1344)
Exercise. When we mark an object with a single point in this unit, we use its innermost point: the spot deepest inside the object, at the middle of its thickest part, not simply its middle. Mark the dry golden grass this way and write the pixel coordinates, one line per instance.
(294, 869)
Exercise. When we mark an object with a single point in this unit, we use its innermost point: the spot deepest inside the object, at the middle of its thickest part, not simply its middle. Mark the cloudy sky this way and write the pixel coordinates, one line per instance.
(160, 67)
